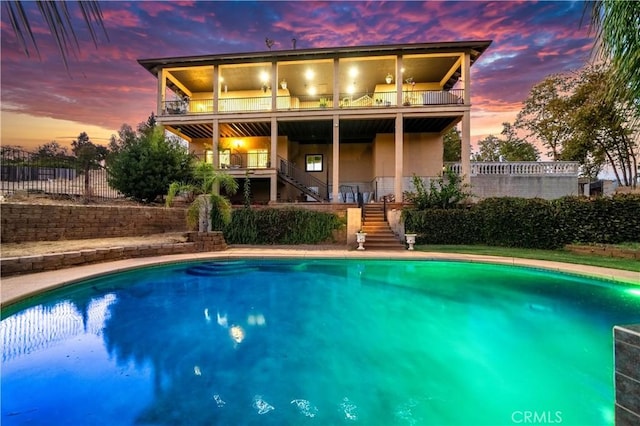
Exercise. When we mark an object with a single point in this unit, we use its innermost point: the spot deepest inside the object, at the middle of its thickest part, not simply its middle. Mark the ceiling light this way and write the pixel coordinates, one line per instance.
(353, 72)
(309, 74)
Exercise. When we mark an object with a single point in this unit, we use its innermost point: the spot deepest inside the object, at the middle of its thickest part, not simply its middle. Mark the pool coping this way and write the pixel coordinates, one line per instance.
(16, 288)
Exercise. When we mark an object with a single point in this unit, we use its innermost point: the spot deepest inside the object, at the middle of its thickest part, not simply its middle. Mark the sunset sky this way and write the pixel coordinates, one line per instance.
(105, 87)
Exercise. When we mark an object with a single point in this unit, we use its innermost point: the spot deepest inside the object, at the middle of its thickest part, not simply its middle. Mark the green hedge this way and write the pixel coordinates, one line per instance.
(280, 226)
(530, 223)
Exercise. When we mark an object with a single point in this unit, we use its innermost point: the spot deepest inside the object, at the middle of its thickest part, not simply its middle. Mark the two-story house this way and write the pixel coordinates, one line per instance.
(321, 123)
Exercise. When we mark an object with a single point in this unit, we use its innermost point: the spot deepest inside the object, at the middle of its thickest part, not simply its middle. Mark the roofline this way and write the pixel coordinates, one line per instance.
(477, 47)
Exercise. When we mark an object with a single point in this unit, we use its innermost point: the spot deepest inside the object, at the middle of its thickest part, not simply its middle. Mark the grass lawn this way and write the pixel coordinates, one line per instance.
(553, 255)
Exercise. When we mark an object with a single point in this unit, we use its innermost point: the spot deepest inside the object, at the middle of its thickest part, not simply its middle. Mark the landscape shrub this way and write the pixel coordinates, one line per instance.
(280, 226)
(602, 220)
(442, 226)
(530, 223)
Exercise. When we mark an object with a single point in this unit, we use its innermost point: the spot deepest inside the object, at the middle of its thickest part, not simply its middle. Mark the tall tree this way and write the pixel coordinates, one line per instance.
(452, 145)
(514, 148)
(145, 164)
(59, 20)
(51, 150)
(488, 149)
(89, 156)
(603, 132)
(511, 148)
(544, 114)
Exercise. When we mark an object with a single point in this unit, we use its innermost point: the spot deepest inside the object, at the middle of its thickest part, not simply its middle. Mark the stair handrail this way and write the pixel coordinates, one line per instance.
(289, 170)
(384, 207)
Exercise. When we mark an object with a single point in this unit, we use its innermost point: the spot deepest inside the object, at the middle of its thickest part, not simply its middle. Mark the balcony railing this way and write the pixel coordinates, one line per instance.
(410, 98)
(528, 168)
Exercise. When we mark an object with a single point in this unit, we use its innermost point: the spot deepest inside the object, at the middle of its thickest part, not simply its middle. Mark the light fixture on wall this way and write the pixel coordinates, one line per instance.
(388, 78)
(283, 84)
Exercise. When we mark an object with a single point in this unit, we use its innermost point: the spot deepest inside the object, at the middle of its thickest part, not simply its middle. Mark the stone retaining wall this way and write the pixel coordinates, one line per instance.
(54, 222)
(605, 250)
(196, 243)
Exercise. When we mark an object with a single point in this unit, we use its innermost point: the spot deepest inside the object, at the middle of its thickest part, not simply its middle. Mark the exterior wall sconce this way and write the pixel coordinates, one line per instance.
(388, 78)
(283, 84)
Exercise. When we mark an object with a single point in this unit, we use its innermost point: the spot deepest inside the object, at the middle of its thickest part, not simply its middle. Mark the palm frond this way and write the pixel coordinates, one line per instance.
(59, 21)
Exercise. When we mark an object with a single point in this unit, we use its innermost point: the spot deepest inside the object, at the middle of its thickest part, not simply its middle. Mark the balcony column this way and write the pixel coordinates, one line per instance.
(399, 80)
(215, 144)
(162, 88)
(216, 92)
(465, 149)
(399, 148)
(336, 84)
(274, 87)
(273, 179)
(335, 177)
(465, 78)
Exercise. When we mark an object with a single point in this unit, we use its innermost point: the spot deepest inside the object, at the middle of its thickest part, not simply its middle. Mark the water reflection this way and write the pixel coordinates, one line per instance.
(330, 341)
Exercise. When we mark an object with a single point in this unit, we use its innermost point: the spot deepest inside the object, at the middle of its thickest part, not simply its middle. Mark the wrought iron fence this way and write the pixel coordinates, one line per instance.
(29, 173)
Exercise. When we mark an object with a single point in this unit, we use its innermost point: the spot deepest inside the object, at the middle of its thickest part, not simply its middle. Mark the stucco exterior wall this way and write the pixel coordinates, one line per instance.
(547, 187)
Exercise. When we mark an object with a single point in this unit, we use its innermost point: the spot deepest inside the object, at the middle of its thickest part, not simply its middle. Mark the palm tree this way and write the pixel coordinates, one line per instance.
(206, 202)
(58, 18)
(617, 26)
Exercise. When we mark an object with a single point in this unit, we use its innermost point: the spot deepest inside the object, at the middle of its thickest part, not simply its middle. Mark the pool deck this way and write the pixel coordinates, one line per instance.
(16, 288)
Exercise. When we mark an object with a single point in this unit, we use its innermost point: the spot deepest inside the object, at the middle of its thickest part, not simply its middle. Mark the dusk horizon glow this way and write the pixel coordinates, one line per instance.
(105, 87)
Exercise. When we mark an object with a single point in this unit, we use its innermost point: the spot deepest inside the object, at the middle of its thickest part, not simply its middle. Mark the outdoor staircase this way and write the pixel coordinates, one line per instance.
(302, 181)
(379, 233)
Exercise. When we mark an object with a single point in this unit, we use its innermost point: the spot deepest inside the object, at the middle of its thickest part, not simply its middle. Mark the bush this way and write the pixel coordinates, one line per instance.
(603, 220)
(518, 222)
(531, 223)
(144, 168)
(280, 226)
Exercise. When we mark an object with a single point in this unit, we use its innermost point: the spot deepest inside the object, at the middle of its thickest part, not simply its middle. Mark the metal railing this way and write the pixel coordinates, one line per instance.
(303, 178)
(316, 102)
(28, 173)
(528, 168)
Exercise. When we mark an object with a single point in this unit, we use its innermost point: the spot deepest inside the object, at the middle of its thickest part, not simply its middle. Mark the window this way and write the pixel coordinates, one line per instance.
(208, 156)
(225, 158)
(313, 162)
(258, 158)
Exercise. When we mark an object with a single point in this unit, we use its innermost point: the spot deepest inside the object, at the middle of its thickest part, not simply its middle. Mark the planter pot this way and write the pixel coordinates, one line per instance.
(411, 240)
(360, 239)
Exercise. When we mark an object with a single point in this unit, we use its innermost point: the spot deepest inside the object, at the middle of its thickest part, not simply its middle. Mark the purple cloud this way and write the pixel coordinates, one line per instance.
(106, 86)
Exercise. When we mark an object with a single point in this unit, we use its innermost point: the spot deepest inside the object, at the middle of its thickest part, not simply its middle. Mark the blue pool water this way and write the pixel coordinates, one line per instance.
(319, 342)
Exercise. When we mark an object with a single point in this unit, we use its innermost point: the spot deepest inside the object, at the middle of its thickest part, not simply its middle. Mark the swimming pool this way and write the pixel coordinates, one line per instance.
(322, 342)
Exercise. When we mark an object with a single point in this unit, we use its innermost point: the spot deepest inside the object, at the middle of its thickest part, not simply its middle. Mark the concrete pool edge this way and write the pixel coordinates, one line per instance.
(16, 288)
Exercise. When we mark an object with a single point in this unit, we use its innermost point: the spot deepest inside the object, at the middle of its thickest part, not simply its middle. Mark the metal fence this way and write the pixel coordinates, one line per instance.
(28, 173)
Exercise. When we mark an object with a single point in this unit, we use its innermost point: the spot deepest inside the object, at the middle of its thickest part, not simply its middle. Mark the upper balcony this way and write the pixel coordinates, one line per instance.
(425, 76)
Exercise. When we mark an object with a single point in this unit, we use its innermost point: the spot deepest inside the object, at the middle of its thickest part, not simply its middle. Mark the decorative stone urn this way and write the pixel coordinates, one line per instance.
(360, 239)
(411, 240)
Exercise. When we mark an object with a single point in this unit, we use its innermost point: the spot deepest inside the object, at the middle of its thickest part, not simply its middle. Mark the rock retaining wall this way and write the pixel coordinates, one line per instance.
(605, 250)
(54, 222)
(196, 242)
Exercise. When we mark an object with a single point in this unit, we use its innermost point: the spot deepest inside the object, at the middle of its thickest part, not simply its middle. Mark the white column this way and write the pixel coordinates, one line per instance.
(399, 148)
(465, 77)
(335, 177)
(399, 80)
(216, 152)
(162, 88)
(465, 161)
(336, 83)
(465, 151)
(216, 89)
(273, 158)
(274, 87)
